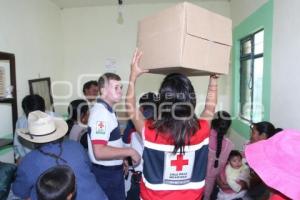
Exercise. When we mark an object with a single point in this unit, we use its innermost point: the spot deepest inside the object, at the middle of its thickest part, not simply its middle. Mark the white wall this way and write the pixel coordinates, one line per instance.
(31, 30)
(285, 94)
(91, 35)
(285, 63)
(241, 9)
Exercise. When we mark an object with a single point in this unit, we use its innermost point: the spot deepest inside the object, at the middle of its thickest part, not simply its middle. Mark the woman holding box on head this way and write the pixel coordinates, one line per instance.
(176, 142)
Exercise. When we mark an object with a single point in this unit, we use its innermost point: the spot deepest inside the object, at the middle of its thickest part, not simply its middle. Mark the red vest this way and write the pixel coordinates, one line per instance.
(174, 176)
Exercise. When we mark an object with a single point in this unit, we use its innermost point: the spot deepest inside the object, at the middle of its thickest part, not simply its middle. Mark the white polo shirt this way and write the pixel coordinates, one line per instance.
(103, 128)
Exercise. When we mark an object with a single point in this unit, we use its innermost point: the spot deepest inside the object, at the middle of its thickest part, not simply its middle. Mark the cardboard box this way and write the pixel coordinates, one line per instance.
(186, 39)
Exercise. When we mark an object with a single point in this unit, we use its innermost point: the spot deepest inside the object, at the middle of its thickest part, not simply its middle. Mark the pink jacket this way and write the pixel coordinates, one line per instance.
(212, 172)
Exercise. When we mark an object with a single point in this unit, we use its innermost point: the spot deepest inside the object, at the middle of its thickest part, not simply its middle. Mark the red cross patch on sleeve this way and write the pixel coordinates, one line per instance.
(100, 127)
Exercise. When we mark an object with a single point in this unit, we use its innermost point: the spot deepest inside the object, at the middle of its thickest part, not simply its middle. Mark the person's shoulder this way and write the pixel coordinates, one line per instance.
(22, 118)
(53, 114)
(29, 158)
(99, 108)
(71, 143)
(73, 146)
(98, 113)
(230, 170)
(21, 122)
(244, 166)
(228, 142)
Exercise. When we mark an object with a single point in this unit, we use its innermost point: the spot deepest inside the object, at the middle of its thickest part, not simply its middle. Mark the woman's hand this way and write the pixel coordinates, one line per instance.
(221, 184)
(136, 71)
(243, 184)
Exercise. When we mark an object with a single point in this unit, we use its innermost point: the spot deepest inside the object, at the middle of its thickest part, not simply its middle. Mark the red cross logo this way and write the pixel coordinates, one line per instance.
(179, 163)
(101, 125)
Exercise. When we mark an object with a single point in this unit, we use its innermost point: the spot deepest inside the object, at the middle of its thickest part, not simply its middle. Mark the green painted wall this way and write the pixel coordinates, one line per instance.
(262, 18)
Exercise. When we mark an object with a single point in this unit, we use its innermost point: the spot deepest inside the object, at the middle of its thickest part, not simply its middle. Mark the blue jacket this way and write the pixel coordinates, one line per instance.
(35, 163)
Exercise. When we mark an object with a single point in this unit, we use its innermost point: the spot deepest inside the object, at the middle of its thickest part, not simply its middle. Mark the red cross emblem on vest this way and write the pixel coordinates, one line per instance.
(179, 163)
(101, 125)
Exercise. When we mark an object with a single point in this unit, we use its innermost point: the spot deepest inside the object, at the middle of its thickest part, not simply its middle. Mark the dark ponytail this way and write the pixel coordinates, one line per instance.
(221, 124)
(267, 128)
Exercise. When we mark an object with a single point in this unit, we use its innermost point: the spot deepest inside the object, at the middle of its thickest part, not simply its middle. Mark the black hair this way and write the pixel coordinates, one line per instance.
(176, 104)
(148, 102)
(220, 123)
(32, 103)
(234, 153)
(107, 77)
(267, 128)
(56, 183)
(88, 84)
(77, 108)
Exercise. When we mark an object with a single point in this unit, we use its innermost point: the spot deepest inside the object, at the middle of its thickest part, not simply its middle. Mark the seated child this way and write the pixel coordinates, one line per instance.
(57, 183)
(235, 172)
(78, 111)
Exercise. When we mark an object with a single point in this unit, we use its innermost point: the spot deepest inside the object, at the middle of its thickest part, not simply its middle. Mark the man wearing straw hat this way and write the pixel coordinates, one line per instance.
(47, 134)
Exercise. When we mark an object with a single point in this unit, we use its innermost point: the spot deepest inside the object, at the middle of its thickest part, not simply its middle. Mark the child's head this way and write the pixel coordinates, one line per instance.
(90, 90)
(33, 102)
(235, 159)
(148, 105)
(78, 111)
(110, 87)
(56, 183)
(262, 130)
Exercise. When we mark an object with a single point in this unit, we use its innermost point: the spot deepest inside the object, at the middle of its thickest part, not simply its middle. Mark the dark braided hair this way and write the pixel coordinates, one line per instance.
(221, 124)
(53, 155)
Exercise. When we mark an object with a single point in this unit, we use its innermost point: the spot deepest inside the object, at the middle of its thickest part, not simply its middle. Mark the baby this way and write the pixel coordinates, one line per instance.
(235, 171)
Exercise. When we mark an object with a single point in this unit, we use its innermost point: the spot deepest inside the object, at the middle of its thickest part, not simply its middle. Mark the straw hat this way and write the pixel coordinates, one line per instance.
(43, 128)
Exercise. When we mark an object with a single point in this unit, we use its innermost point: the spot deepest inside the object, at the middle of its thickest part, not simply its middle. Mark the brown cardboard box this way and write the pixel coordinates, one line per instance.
(186, 39)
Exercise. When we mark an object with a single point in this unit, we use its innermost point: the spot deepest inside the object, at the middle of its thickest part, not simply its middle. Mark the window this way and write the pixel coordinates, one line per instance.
(251, 69)
(251, 77)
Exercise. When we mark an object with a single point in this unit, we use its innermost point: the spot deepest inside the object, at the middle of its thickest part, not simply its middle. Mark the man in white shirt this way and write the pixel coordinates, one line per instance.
(105, 145)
